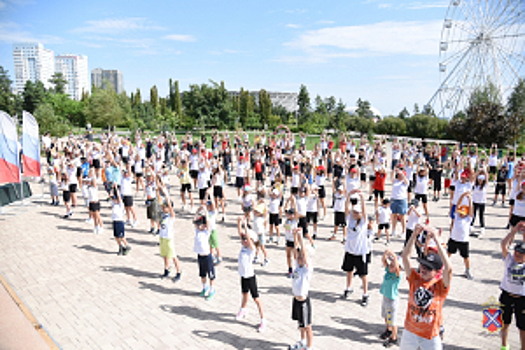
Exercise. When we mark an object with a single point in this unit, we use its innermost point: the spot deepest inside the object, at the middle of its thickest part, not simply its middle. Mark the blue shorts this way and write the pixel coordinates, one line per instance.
(453, 212)
(118, 229)
(206, 267)
(399, 206)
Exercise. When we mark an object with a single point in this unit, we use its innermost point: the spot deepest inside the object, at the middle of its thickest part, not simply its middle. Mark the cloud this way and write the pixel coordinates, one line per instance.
(294, 26)
(384, 6)
(180, 37)
(384, 38)
(117, 26)
(11, 32)
(325, 22)
(424, 6)
(297, 11)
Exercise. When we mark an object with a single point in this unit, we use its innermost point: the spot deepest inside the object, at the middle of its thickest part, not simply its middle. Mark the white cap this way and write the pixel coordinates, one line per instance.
(276, 192)
(357, 208)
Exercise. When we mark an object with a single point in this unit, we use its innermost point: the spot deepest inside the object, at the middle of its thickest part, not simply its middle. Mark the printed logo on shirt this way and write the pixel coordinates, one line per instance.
(423, 297)
(516, 274)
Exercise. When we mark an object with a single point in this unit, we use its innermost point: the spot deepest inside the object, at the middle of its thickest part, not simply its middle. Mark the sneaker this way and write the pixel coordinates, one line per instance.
(314, 236)
(468, 275)
(347, 292)
(241, 314)
(100, 229)
(96, 231)
(177, 277)
(89, 221)
(297, 346)
(390, 342)
(127, 249)
(503, 347)
(369, 198)
(128, 222)
(290, 274)
(376, 238)
(120, 250)
(218, 261)
(265, 262)
(332, 237)
(386, 334)
(364, 301)
(204, 292)
(183, 208)
(166, 273)
(134, 224)
(262, 327)
(387, 243)
(223, 218)
(481, 231)
(503, 204)
(255, 260)
(57, 203)
(156, 233)
(151, 230)
(493, 203)
(427, 222)
(192, 210)
(211, 295)
(313, 246)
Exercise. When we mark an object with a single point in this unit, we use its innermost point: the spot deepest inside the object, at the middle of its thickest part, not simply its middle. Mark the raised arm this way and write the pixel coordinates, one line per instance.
(407, 252)
(509, 238)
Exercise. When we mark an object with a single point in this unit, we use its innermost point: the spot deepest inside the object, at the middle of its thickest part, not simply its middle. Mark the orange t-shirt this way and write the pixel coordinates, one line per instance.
(425, 305)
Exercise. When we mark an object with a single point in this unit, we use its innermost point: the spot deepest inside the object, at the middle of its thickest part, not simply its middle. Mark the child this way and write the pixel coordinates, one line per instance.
(339, 212)
(53, 186)
(390, 291)
(383, 220)
(312, 207)
(94, 204)
(117, 215)
(290, 228)
(202, 248)
(414, 216)
(185, 183)
(66, 196)
(214, 239)
(259, 227)
(247, 202)
(274, 209)
(459, 235)
(247, 273)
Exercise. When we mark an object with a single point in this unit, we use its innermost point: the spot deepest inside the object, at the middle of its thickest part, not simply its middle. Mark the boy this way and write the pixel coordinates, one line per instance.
(117, 215)
(383, 220)
(202, 248)
(214, 239)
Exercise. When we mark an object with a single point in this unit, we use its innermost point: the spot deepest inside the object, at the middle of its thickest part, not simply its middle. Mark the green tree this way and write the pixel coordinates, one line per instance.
(516, 110)
(392, 126)
(33, 95)
(7, 98)
(265, 106)
(303, 102)
(48, 121)
(175, 101)
(59, 83)
(364, 109)
(103, 109)
(154, 97)
(423, 126)
(404, 114)
(138, 98)
(66, 108)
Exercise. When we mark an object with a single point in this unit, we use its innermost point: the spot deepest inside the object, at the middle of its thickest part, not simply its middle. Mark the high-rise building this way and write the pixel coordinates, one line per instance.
(32, 62)
(74, 69)
(113, 76)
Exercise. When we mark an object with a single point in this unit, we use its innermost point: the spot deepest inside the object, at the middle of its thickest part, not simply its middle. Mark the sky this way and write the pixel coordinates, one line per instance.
(383, 51)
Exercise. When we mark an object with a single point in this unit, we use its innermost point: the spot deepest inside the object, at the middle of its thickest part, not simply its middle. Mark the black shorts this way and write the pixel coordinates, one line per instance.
(422, 197)
(259, 177)
(79, 172)
(287, 170)
(452, 188)
(511, 202)
(66, 196)
(493, 170)
(290, 244)
(338, 171)
(139, 175)
(118, 229)
(515, 219)
(303, 224)
(380, 194)
(249, 285)
(294, 190)
(384, 226)
(185, 188)
(125, 159)
(511, 305)
(302, 312)
(463, 247)
(239, 182)
(128, 201)
(501, 188)
(372, 178)
(311, 217)
(96, 164)
(322, 192)
(274, 219)
(410, 186)
(194, 174)
(363, 177)
(206, 267)
(217, 192)
(356, 262)
(437, 184)
(339, 219)
(73, 188)
(202, 193)
(94, 206)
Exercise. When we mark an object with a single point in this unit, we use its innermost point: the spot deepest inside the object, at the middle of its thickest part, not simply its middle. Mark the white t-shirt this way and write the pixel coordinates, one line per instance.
(296, 179)
(92, 194)
(319, 180)
(201, 244)
(166, 226)
(519, 207)
(399, 190)
(301, 280)
(461, 228)
(513, 276)
(312, 205)
(289, 227)
(301, 206)
(117, 212)
(240, 169)
(421, 185)
(413, 218)
(125, 186)
(356, 237)
(194, 162)
(384, 214)
(246, 256)
(352, 183)
(138, 167)
(479, 194)
(202, 179)
(460, 189)
(274, 205)
(339, 202)
(493, 160)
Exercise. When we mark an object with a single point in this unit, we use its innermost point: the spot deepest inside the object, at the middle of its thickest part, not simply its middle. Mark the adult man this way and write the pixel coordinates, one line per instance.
(426, 296)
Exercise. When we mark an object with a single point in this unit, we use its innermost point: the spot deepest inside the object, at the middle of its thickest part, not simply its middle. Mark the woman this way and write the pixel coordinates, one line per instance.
(479, 197)
(518, 209)
(421, 187)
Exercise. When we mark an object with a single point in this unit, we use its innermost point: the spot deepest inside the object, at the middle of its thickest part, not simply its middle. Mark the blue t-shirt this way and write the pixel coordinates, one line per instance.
(85, 169)
(390, 286)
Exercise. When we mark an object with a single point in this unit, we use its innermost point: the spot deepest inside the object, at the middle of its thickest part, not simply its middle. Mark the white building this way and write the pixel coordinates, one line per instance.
(74, 69)
(32, 62)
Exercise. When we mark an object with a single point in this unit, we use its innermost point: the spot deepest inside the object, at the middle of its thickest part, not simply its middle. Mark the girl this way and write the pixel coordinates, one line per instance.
(214, 239)
(247, 202)
(167, 234)
(339, 212)
(259, 226)
(66, 196)
(218, 188)
(414, 218)
(518, 208)
(479, 197)
(390, 291)
(127, 196)
(312, 208)
(275, 217)
(152, 204)
(202, 248)
(94, 204)
(139, 174)
(117, 216)
(421, 187)
(290, 230)
(320, 179)
(460, 231)
(184, 176)
(247, 273)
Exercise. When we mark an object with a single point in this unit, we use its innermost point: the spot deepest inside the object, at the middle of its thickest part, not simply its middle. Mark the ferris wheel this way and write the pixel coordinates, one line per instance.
(482, 43)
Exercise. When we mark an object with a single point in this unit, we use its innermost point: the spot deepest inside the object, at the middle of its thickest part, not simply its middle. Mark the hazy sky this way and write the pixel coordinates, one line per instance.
(383, 51)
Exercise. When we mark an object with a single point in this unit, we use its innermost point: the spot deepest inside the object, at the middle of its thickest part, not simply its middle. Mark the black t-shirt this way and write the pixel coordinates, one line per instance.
(502, 175)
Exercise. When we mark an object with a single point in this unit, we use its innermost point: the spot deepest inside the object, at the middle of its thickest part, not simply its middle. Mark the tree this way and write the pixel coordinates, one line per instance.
(416, 109)
(423, 126)
(265, 106)
(33, 95)
(103, 109)
(48, 121)
(175, 101)
(154, 97)
(516, 109)
(404, 114)
(138, 98)
(303, 102)
(66, 108)
(392, 126)
(320, 105)
(364, 109)
(59, 83)
(7, 98)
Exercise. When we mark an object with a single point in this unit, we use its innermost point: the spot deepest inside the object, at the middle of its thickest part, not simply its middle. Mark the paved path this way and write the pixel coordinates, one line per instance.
(87, 297)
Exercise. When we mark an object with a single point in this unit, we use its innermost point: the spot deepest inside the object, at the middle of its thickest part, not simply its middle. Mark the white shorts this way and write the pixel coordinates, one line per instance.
(389, 309)
(410, 341)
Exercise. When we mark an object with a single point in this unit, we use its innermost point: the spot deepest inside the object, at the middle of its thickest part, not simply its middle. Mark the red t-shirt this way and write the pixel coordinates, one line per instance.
(379, 182)
(258, 167)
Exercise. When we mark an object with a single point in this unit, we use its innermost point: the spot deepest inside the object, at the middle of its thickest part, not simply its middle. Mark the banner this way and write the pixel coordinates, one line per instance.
(30, 145)
(9, 167)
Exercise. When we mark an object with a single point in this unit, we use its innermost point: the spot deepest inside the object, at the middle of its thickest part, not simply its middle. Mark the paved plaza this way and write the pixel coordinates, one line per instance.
(87, 297)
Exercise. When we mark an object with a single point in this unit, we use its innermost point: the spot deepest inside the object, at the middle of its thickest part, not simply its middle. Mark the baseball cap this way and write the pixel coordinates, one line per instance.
(520, 247)
(353, 170)
(320, 167)
(276, 192)
(194, 150)
(199, 220)
(432, 261)
(290, 211)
